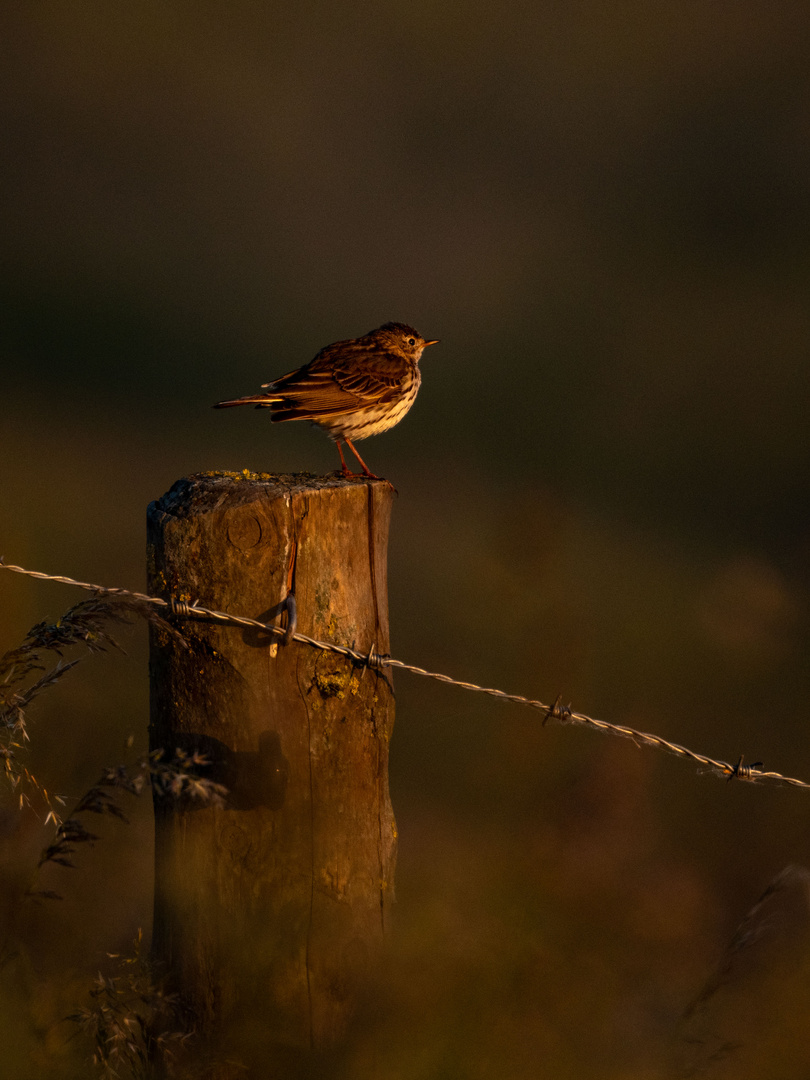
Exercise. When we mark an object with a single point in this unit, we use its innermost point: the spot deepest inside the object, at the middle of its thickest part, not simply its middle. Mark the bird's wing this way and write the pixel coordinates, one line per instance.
(332, 385)
(376, 378)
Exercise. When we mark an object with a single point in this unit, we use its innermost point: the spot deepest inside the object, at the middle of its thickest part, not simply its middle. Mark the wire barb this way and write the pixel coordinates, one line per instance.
(558, 711)
(179, 608)
(374, 661)
(751, 773)
(744, 772)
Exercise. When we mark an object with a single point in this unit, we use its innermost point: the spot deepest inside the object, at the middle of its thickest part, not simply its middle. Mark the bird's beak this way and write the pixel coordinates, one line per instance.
(434, 342)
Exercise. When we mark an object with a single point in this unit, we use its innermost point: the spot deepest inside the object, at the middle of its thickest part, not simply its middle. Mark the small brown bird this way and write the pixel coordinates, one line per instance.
(352, 389)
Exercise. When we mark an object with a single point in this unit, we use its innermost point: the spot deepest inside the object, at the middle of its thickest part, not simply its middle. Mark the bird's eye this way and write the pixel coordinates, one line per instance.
(411, 341)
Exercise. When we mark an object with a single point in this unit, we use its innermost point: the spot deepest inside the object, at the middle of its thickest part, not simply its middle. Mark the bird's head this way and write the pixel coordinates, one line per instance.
(402, 339)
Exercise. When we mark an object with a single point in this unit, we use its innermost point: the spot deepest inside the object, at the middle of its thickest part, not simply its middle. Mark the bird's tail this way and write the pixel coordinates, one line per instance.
(261, 401)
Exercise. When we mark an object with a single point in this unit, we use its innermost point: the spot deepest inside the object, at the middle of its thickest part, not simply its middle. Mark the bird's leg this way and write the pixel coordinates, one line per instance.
(345, 470)
(366, 469)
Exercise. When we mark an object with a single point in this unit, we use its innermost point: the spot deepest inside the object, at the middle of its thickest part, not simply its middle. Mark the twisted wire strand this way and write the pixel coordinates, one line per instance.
(374, 660)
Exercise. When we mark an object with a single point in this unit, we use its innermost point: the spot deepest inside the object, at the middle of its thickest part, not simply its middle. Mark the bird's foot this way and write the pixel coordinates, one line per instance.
(367, 474)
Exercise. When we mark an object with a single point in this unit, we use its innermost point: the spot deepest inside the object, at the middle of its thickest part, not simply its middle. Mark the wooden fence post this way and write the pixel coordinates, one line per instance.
(269, 912)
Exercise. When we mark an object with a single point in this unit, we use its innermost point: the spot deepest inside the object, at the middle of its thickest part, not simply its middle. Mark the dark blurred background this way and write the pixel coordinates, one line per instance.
(602, 211)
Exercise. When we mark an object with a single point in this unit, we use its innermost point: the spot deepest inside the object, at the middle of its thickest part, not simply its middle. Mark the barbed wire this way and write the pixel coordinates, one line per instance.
(557, 711)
